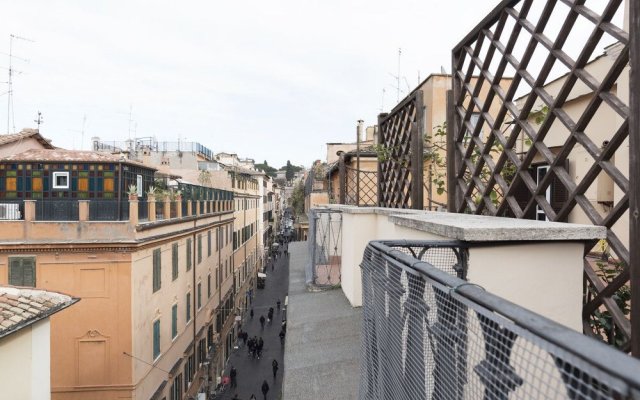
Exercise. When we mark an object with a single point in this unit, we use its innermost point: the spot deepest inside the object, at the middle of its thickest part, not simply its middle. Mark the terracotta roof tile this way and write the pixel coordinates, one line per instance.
(25, 134)
(20, 307)
(60, 155)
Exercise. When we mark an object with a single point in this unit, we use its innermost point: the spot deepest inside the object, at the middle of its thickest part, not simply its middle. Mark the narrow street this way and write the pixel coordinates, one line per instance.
(252, 372)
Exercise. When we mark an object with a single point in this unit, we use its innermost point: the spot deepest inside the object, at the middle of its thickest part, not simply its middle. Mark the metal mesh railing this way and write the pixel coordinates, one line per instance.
(325, 247)
(427, 334)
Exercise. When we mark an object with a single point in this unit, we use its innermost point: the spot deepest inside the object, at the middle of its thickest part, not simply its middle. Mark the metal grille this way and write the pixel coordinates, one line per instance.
(57, 210)
(400, 142)
(109, 210)
(325, 248)
(361, 187)
(530, 91)
(429, 335)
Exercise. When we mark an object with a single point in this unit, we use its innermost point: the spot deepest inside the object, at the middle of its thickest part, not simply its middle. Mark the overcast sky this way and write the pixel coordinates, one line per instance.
(272, 80)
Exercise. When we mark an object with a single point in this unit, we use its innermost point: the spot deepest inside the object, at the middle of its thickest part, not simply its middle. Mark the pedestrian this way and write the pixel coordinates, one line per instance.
(278, 304)
(244, 338)
(251, 313)
(262, 321)
(260, 346)
(265, 389)
(272, 266)
(281, 336)
(233, 374)
(274, 366)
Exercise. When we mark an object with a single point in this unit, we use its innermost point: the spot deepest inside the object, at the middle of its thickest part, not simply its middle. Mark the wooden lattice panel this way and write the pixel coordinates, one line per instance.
(401, 147)
(551, 143)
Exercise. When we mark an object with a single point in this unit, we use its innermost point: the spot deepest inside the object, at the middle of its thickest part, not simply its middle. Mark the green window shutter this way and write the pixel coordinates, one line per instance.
(209, 243)
(199, 249)
(188, 254)
(174, 321)
(188, 307)
(156, 339)
(157, 269)
(209, 286)
(199, 295)
(174, 261)
(22, 271)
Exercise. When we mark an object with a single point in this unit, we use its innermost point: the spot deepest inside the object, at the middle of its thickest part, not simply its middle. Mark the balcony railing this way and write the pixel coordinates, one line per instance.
(429, 334)
(57, 210)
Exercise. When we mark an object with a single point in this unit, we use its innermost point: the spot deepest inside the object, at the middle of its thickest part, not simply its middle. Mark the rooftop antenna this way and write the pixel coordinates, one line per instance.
(84, 121)
(10, 114)
(382, 105)
(130, 119)
(39, 120)
(398, 76)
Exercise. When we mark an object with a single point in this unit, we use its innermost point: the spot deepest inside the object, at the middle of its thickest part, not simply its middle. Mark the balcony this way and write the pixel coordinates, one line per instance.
(101, 220)
(444, 306)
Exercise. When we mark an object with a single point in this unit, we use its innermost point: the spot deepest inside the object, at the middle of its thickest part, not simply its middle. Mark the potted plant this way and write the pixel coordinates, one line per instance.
(132, 191)
(151, 193)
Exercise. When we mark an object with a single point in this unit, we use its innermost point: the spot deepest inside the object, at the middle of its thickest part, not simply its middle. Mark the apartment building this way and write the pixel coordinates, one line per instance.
(149, 270)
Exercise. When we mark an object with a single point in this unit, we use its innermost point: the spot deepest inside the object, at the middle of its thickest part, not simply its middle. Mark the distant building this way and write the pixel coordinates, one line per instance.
(26, 139)
(25, 339)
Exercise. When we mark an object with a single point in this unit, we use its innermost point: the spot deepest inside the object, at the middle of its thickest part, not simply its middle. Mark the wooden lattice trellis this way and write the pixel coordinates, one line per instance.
(401, 146)
(361, 187)
(513, 108)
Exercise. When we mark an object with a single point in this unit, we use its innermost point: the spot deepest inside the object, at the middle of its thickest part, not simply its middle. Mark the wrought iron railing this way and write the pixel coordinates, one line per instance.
(57, 210)
(109, 210)
(325, 247)
(427, 334)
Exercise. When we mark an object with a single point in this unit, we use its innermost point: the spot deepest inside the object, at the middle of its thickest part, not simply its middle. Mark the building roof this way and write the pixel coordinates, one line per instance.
(21, 307)
(26, 134)
(60, 155)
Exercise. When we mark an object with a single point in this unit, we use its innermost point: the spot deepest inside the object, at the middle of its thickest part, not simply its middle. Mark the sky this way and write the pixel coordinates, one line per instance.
(269, 80)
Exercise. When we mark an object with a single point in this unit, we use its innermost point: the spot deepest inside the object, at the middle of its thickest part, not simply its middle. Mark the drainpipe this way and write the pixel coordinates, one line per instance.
(195, 291)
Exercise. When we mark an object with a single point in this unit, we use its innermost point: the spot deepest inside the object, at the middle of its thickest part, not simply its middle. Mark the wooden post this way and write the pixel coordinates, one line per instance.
(451, 154)
(634, 174)
(342, 179)
(417, 154)
(380, 140)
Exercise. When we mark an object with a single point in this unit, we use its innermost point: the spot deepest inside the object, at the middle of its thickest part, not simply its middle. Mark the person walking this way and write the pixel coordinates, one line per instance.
(262, 321)
(278, 304)
(281, 334)
(251, 313)
(260, 346)
(274, 366)
(265, 389)
(233, 375)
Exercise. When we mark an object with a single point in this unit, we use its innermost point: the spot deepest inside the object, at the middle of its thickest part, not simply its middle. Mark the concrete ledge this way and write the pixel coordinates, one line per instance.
(478, 228)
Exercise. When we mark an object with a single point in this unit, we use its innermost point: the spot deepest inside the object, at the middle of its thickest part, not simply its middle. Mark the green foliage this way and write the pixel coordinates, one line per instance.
(204, 178)
(602, 320)
(289, 171)
(269, 170)
(297, 199)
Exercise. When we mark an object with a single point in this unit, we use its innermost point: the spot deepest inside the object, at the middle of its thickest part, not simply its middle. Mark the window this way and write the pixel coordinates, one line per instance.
(209, 243)
(176, 388)
(22, 271)
(174, 261)
(188, 254)
(199, 295)
(188, 307)
(61, 180)
(209, 286)
(218, 239)
(157, 270)
(541, 171)
(139, 185)
(174, 321)
(199, 249)
(156, 339)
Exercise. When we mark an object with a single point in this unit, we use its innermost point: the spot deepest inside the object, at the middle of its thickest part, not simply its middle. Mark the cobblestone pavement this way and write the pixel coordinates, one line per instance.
(252, 372)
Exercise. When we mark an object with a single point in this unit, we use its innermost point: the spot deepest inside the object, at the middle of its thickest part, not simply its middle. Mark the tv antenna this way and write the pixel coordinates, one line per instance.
(39, 120)
(11, 122)
(397, 77)
(84, 122)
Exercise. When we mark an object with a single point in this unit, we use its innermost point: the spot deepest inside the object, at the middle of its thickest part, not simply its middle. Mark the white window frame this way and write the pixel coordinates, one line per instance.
(57, 174)
(539, 176)
(139, 185)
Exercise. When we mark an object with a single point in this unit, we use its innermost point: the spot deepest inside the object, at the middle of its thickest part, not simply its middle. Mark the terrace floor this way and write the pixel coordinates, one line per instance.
(322, 354)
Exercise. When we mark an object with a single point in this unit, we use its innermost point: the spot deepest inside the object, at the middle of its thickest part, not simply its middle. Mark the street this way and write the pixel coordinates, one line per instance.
(251, 373)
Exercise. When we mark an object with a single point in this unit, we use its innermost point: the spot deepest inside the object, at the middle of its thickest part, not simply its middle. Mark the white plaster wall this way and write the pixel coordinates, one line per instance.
(41, 360)
(16, 365)
(545, 277)
(357, 231)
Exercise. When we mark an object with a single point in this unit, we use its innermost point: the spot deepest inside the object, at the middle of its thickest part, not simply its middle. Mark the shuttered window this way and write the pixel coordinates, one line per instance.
(199, 249)
(174, 321)
(209, 286)
(157, 269)
(156, 339)
(188, 254)
(188, 307)
(174, 261)
(199, 295)
(209, 243)
(22, 271)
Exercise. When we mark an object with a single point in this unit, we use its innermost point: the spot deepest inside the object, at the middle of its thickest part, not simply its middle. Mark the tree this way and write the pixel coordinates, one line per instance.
(269, 170)
(289, 171)
(297, 197)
